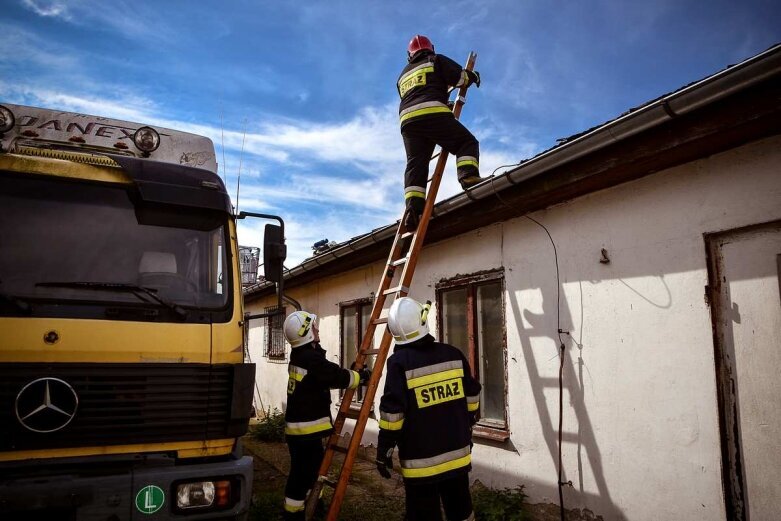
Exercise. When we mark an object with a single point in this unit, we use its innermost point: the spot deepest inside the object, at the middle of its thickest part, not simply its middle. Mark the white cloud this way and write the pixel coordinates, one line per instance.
(285, 161)
(52, 9)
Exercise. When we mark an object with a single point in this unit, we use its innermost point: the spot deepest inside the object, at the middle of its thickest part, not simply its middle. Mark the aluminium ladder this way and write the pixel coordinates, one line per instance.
(405, 254)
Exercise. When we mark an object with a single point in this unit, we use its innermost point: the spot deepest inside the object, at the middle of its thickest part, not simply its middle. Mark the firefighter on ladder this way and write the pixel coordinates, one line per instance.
(428, 408)
(427, 120)
(308, 413)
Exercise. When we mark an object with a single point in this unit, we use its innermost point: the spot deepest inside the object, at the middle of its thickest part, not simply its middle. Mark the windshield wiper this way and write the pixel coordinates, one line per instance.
(17, 302)
(126, 287)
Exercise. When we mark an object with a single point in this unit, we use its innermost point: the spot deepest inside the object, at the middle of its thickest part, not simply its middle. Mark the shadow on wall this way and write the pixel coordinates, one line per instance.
(601, 503)
(537, 355)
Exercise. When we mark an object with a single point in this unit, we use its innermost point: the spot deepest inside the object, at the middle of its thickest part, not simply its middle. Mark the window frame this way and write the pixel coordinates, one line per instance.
(471, 283)
(360, 329)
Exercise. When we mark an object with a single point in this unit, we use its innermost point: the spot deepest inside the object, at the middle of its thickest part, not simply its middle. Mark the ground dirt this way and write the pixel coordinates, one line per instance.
(369, 497)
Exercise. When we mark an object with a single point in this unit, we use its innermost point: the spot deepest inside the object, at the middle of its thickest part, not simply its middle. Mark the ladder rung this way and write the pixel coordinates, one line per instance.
(381, 320)
(325, 481)
(399, 262)
(352, 413)
(371, 352)
(397, 289)
(407, 234)
(339, 448)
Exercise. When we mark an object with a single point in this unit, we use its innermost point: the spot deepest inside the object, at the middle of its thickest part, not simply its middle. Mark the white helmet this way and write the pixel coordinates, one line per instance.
(299, 327)
(408, 320)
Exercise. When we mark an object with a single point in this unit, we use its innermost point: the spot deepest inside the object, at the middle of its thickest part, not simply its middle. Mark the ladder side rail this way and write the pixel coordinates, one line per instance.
(360, 426)
(345, 406)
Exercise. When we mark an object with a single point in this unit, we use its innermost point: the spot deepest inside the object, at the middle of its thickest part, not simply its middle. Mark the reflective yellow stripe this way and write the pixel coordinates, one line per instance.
(356, 379)
(301, 428)
(305, 326)
(440, 392)
(415, 78)
(472, 407)
(437, 469)
(409, 335)
(466, 163)
(422, 195)
(422, 112)
(391, 426)
(294, 505)
(435, 377)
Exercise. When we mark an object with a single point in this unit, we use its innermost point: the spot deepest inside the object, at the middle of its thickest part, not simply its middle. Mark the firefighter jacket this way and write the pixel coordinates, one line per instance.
(428, 409)
(423, 86)
(310, 378)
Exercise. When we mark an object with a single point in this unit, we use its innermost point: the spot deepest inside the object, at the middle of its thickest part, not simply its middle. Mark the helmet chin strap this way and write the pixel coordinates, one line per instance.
(422, 52)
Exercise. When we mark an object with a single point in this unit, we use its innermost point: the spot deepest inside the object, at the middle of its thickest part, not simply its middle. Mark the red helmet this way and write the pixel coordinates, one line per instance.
(417, 44)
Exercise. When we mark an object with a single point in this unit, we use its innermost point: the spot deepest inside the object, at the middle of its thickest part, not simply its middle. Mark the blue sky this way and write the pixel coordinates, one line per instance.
(312, 83)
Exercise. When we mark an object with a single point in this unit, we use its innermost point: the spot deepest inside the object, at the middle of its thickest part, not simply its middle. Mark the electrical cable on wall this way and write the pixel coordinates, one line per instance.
(559, 331)
(562, 347)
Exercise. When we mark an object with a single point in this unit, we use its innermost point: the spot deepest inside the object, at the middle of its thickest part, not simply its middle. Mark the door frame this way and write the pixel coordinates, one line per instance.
(732, 471)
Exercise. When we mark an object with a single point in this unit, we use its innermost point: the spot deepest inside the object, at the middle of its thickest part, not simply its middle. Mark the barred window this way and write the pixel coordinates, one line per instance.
(274, 337)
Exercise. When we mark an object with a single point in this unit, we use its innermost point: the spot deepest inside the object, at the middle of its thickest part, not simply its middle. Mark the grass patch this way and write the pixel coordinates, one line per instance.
(271, 427)
(499, 505)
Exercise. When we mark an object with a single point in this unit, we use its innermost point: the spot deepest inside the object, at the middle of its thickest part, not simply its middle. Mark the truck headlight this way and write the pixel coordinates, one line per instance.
(203, 494)
(146, 139)
(7, 119)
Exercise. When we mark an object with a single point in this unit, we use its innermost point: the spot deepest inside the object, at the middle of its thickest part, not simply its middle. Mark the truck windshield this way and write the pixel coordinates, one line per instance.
(68, 241)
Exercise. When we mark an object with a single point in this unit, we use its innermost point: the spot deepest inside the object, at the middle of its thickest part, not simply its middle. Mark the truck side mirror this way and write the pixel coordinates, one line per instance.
(274, 252)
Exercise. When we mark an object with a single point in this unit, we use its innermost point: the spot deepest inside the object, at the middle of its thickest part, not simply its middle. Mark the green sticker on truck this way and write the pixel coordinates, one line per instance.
(150, 499)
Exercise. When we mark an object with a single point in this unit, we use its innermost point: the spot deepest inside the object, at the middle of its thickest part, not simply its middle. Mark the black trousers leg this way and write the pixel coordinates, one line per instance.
(421, 136)
(305, 458)
(422, 502)
(456, 498)
(419, 149)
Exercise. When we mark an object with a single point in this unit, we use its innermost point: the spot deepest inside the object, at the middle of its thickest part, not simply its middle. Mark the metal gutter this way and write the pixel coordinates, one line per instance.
(697, 95)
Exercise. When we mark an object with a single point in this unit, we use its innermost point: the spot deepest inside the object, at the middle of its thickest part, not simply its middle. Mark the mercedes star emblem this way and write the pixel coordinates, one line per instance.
(46, 405)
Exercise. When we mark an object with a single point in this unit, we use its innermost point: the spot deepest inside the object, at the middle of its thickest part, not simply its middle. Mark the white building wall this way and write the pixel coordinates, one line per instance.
(641, 437)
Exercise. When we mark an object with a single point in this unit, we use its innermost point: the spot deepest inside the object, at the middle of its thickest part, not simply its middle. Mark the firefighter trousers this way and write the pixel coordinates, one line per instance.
(423, 500)
(420, 138)
(305, 458)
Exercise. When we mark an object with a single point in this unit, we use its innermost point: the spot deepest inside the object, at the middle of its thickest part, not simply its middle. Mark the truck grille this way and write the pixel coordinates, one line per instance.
(121, 404)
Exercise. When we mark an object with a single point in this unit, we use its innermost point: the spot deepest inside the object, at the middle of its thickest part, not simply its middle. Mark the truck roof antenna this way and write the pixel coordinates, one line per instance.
(241, 157)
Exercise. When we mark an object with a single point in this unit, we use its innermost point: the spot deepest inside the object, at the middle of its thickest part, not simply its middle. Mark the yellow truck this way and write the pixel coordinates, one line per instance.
(123, 387)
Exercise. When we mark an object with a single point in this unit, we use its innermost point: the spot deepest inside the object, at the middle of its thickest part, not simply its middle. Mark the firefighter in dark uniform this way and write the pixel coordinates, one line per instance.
(428, 408)
(427, 120)
(308, 414)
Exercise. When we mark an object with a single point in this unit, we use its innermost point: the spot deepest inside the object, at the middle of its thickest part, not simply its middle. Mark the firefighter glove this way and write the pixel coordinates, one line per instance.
(474, 77)
(385, 463)
(365, 374)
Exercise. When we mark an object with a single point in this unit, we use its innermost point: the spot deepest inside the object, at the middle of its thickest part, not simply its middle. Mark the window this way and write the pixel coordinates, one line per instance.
(471, 317)
(274, 337)
(353, 319)
(83, 245)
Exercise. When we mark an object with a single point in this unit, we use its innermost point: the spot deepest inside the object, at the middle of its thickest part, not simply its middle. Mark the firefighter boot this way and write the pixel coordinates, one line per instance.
(468, 171)
(414, 211)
